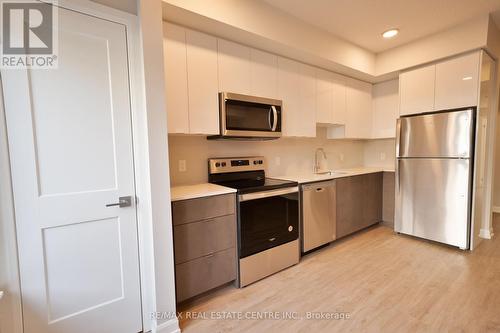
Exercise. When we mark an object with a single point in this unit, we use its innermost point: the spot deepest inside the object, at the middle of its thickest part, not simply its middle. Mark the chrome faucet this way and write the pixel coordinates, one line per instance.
(317, 167)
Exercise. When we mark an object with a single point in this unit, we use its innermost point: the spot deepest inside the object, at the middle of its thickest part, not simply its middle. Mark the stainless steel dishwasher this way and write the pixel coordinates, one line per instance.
(318, 214)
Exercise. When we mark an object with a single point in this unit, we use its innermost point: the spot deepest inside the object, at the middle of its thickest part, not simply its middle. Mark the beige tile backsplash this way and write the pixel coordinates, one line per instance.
(283, 156)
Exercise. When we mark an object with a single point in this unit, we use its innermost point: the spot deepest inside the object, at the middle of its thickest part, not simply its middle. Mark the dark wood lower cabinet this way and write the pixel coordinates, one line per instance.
(359, 202)
(205, 244)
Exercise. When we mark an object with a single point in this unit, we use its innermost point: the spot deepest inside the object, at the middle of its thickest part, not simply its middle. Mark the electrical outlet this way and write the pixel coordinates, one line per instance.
(277, 160)
(182, 166)
(382, 156)
(341, 157)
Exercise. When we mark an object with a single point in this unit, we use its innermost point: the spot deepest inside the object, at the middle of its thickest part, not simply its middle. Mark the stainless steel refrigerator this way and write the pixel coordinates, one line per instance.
(434, 169)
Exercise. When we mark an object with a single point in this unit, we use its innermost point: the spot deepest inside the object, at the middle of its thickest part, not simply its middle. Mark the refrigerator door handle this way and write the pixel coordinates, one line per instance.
(398, 136)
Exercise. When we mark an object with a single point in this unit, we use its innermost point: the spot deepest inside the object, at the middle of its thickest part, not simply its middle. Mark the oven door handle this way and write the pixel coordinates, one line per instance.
(267, 194)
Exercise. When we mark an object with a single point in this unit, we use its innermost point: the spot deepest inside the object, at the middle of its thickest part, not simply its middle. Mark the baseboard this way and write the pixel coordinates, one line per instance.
(495, 209)
(389, 224)
(486, 233)
(171, 326)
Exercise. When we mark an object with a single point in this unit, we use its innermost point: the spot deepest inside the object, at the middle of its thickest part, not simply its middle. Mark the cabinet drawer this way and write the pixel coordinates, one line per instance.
(203, 208)
(202, 274)
(197, 239)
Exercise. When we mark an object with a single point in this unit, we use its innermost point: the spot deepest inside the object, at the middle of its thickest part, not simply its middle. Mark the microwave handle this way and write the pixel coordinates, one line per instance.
(275, 118)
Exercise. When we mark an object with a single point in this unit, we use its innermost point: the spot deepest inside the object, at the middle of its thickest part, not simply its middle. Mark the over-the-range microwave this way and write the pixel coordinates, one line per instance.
(244, 117)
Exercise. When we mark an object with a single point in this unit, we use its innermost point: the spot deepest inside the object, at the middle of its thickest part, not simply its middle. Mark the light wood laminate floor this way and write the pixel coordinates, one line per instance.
(385, 282)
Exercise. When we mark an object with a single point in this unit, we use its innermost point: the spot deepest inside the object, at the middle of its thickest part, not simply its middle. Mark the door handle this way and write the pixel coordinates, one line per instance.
(122, 202)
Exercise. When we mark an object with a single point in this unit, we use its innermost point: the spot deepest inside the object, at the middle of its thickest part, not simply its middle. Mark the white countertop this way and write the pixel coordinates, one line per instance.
(198, 191)
(311, 177)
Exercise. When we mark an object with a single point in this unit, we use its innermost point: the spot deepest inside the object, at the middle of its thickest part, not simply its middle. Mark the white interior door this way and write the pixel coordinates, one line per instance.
(70, 143)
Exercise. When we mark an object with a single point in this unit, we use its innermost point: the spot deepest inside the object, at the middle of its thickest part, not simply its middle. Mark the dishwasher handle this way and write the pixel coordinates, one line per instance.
(318, 187)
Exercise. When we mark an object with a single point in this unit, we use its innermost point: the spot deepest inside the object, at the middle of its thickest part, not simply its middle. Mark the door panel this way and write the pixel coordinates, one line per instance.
(457, 82)
(416, 93)
(70, 142)
(432, 199)
(446, 134)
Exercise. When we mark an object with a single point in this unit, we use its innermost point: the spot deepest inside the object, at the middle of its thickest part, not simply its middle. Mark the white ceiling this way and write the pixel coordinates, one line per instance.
(362, 21)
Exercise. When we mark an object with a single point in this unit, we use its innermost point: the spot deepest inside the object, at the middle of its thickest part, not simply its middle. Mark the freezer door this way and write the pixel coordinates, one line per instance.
(433, 198)
(446, 134)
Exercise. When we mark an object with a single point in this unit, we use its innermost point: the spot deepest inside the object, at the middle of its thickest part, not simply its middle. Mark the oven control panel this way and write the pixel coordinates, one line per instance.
(237, 164)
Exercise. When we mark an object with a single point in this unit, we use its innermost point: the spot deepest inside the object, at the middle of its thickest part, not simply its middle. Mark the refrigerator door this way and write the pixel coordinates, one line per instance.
(446, 134)
(433, 198)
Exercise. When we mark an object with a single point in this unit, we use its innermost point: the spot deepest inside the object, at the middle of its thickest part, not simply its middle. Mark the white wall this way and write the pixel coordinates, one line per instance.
(296, 154)
(156, 153)
(459, 39)
(129, 6)
(380, 153)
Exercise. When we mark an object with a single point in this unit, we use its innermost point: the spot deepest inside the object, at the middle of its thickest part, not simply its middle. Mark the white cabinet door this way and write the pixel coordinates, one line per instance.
(324, 96)
(234, 67)
(289, 92)
(339, 99)
(359, 109)
(70, 144)
(176, 86)
(417, 90)
(385, 109)
(264, 74)
(202, 83)
(306, 117)
(457, 82)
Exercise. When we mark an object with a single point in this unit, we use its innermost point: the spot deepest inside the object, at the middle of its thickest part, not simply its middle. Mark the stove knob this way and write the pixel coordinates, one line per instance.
(260, 162)
(223, 164)
(217, 164)
(255, 162)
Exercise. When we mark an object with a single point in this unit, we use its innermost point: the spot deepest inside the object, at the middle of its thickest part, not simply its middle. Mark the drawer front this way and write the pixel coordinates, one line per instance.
(203, 208)
(202, 274)
(197, 239)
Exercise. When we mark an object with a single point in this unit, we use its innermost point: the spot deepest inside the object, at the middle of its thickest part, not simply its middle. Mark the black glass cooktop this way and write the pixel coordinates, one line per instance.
(249, 181)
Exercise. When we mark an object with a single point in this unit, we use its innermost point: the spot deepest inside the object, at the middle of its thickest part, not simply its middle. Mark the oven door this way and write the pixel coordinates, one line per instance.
(248, 116)
(267, 219)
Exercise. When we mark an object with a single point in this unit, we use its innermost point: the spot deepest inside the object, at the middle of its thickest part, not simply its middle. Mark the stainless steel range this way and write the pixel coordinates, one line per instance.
(268, 216)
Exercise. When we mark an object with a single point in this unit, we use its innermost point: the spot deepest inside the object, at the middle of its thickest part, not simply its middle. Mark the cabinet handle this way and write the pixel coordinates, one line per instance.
(320, 189)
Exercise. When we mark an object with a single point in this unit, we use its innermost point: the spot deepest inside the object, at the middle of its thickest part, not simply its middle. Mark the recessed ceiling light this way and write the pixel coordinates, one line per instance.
(390, 33)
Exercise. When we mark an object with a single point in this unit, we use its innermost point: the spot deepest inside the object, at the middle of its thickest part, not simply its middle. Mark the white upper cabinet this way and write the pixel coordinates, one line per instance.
(297, 90)
(330, 98)
(385, 109)
(324, 96)
(289, 93)
(190, 81)
(339, 99)
(264, 74)
(448, 84)
(417, 90)
(306, 118)
(457, 82)
(358, 109)
(234, 67)
(202, 83)
(174, 45)
(357, 118)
